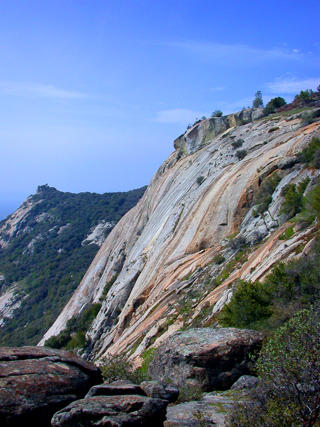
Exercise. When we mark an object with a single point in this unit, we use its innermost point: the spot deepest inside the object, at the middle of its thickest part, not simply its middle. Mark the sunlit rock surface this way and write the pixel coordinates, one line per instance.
(201, 195)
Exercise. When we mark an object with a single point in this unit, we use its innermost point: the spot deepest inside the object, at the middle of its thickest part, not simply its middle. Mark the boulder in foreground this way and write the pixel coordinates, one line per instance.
(119, 404)
(212, 358)
(35, 382)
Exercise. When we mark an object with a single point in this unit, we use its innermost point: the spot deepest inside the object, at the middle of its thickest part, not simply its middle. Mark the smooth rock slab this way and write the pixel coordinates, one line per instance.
(212, 358)
(113, 411)
(35, 382)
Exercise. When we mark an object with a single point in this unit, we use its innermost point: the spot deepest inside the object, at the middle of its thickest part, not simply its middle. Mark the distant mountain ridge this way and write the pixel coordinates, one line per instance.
(45, 248)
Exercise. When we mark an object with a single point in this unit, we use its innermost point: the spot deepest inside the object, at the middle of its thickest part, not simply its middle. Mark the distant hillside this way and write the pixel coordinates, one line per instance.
(46, 246)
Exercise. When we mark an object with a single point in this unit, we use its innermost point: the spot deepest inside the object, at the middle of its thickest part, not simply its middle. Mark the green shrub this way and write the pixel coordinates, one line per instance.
(241, 154)
(107, 287)
(249, 305)
(263, 197)
(77, 340)
(307, 118)
(305, 96)
(288, 288)
(219, 259)
(119, 367)
(316, 160)
(287, 234)
(217, 113)
(188, 393)
(273, 105)
(311, 153)
(147, 357)
(237, 144)
(238, 243)
(116, 368)
(313, 200)
(73, 336)
(58, 341)
(288, 392)
(293, 197)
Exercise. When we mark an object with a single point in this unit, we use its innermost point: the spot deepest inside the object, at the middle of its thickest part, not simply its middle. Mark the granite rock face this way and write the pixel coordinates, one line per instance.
(195, 202)
(36, 382)
(201, 134)
(119, 404)
(211, 358)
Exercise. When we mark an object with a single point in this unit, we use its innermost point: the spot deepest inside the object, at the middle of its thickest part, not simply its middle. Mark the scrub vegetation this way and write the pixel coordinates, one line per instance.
(286, 307)
(48, 271)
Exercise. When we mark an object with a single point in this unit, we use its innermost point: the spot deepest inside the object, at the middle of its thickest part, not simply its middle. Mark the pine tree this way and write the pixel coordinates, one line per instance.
(258, 102)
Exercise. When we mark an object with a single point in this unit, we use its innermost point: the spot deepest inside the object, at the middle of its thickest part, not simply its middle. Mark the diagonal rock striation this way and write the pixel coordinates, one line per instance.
(200, 196)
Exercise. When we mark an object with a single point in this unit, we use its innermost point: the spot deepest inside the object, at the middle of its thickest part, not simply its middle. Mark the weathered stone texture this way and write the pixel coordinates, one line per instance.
(36, 382)
(115, 411)
(245, 382)
(160, 391)
(211, 358)
(180, 225)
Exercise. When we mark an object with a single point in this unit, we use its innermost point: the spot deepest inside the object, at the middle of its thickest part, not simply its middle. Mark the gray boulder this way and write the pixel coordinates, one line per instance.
(160, 391)
(210, 358)
(211, 410)
(35, 382)
(115, 411)
(245, 382)
(202, 133)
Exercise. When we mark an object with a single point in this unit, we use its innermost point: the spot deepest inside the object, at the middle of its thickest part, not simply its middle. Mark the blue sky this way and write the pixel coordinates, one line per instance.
(93, 93)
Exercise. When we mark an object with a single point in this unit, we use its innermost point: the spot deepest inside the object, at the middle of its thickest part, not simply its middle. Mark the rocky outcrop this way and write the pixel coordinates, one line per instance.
(204, 132)
(36, 382)
(211, 358)
(118, 404)
(10, 301)
(210, 411)
(13, 223)
(245, 382)
(97, 233)
(167, 245)
(160, 391)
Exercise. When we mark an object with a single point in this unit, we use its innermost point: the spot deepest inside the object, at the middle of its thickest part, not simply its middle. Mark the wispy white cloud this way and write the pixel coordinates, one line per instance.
(36, 90)
(234, 54)
(292, 85)
(217, 88)
(177, 115)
